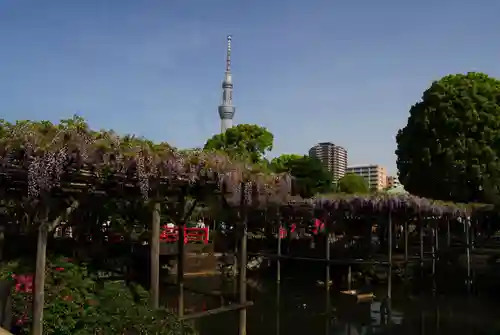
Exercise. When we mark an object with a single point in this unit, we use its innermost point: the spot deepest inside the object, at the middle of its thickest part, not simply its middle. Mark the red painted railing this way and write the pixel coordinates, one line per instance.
(318, 227)
(190, 235)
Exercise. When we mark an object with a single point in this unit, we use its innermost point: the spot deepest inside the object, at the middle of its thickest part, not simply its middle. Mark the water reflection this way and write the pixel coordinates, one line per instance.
(297, 308)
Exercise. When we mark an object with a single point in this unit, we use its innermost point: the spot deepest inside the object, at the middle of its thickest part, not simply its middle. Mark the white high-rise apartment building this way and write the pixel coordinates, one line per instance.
(333, 157)
(375, 175)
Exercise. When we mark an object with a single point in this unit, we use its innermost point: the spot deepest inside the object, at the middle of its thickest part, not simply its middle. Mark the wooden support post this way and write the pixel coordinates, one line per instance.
(327, 256)
(448, 233)
(155, 256)
(389, 272)
(41, 260)
(2, 242)
(278, 309)
(436, 255)
(181, 232)
(349, 277)
(243, 263)
(472, 234)
(180, 269)
(235, 255)
(436, 235)
(472, 242)
(421, 233)
(467, 250)
(328, 317)
(433, 250)
(406, 232)
(278, 259)
(388, 300)
(38, 293)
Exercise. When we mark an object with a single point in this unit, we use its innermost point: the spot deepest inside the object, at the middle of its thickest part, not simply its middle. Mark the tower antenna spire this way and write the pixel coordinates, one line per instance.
(228, 53)
(226, 109)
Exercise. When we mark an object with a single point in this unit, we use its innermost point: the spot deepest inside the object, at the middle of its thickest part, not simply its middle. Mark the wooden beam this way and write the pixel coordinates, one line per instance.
(189, 211)
(53, 225)
(331, 261)
(223, 309)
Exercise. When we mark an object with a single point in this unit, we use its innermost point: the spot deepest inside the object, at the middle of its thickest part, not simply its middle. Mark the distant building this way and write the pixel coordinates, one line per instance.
(375, 175)
(393, 182)
(333, 158)
(397, 190)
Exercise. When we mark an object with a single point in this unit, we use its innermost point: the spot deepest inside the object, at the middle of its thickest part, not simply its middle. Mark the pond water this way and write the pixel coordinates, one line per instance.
(294, 307)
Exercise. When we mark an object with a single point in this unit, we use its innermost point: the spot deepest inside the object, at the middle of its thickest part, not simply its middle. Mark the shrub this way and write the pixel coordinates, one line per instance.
(78, 303)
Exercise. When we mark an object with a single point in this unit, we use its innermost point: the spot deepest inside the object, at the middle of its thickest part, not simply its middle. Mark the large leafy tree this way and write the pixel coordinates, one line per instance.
(283, 162)
(245, 141)
(450, 147)
(311, 177)
(352, 183)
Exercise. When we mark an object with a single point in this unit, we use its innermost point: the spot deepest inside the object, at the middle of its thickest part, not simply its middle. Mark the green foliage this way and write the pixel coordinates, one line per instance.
(47, 133)
(244, 141)
(450, 148)
(78, 303)
(283, 162)
(311, 177)
(352, 183)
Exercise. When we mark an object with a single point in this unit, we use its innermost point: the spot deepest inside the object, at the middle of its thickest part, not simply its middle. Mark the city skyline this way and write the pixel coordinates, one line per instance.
(335, 159)
(309, 72)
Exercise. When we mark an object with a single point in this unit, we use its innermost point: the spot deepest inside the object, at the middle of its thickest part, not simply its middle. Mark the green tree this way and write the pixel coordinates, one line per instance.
(282, 163)
(246, 141)
(311, 177)
(352, 183)
(450, 147)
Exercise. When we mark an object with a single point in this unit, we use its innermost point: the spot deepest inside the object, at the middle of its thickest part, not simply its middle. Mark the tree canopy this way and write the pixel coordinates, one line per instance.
(311, 177)
(245, 141)
(283, 162)
(450, 147)
(352, 183)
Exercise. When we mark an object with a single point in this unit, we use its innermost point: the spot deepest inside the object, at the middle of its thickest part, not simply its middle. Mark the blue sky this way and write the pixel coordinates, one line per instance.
(310, 71)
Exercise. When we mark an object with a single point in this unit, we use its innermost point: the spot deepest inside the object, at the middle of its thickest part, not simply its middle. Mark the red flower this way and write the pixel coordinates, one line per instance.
(59, 269)
(68, 298)
(24, 283)
(22, 320)
(282, 233)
